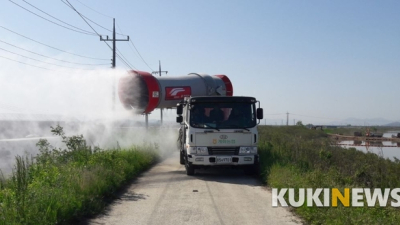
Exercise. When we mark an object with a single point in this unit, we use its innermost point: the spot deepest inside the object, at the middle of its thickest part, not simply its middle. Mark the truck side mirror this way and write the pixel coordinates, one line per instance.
(179, 109)
(260, 114)
(179, 119)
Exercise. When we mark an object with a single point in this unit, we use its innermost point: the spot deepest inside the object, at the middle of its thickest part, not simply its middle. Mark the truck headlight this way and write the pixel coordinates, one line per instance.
(248, 150)
(192, 150)
(198, 150)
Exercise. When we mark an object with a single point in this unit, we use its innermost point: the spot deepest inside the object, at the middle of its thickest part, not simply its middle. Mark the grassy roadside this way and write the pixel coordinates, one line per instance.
(296, 157)
(62, 185)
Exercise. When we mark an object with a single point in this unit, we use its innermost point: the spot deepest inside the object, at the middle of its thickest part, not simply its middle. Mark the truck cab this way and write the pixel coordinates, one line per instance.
(218, 131)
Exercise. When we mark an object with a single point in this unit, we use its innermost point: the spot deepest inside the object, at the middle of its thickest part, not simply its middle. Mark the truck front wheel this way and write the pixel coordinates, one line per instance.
(252, 170)
(182, 158)
(189, 167)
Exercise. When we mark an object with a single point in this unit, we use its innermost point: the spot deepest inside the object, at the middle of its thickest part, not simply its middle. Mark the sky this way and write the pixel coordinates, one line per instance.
(320, 61)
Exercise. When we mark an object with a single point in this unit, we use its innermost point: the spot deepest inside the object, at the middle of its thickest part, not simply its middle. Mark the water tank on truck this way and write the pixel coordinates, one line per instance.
(143, 92)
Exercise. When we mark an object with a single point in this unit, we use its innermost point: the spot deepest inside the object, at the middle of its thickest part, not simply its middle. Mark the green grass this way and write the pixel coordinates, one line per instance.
(296, 157)
(60, 186)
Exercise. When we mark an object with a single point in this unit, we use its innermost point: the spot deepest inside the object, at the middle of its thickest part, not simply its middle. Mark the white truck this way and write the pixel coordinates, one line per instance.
(219, 131)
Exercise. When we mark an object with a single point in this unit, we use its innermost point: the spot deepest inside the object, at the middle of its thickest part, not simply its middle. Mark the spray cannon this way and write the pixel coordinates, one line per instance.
(144, 92)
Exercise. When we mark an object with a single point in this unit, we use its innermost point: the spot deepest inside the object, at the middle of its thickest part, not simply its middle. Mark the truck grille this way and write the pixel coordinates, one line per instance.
(223, 150)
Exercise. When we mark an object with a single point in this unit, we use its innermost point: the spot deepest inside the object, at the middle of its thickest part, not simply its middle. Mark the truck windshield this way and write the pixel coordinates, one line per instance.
(222, 115)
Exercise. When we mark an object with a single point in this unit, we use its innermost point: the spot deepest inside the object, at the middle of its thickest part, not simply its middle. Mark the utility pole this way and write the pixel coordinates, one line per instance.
(114, 49)
(159, 72)
(287, 119)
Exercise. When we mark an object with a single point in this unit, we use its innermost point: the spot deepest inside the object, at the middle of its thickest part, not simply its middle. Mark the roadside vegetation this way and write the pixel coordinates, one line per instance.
(60, 186)
(297, 157)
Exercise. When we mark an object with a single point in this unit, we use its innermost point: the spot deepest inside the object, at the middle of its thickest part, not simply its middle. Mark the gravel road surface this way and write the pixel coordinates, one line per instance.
(166, 195)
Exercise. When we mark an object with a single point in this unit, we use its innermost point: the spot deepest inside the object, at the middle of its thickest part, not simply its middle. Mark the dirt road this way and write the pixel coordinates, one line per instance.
(166, 195)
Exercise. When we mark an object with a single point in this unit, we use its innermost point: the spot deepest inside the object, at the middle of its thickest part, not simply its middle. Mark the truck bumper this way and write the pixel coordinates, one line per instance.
(212, 160)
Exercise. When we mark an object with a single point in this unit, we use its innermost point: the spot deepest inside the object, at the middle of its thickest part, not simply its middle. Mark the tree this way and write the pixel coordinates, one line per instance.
(299, 123)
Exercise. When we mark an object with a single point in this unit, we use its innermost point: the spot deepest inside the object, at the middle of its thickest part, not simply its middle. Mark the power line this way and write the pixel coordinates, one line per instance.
(126, 64)
(55, 17)
(87, 33)
(37, 59)
(137, 51)
(84, 18)
(120, 55)
(140, 55)
(102, 26)
(130, 65)
(92, 20)
(95, 10)
(72, 7)
(87, 64)
(112, 49)
(95, 22)
(50, 46)
(24, 63)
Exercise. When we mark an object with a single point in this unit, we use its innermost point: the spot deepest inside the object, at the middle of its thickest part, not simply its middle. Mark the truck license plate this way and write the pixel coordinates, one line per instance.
(223, 160)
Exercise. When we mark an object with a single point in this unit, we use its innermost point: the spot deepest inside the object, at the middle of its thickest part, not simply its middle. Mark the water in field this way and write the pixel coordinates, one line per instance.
(385, 149)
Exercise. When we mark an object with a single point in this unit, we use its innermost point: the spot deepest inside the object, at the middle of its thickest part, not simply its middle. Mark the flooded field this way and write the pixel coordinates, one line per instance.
(385, 149)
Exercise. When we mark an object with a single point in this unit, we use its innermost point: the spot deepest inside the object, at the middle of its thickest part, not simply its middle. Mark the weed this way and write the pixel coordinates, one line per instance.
(62, 185)
(296, 157)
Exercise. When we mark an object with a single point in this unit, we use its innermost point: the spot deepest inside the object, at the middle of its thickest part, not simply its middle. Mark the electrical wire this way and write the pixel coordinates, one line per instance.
(94, 31)
(95, 22)
(72, 7)
(24, 63)
(39, 60)
(102, 26)
(50, 46)
(126, 64)
(94, 10)
(87, 33)
(87, 64)
(83, 17)
(140, 55)
(130, 65)
(137, 51)
(56, 18)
